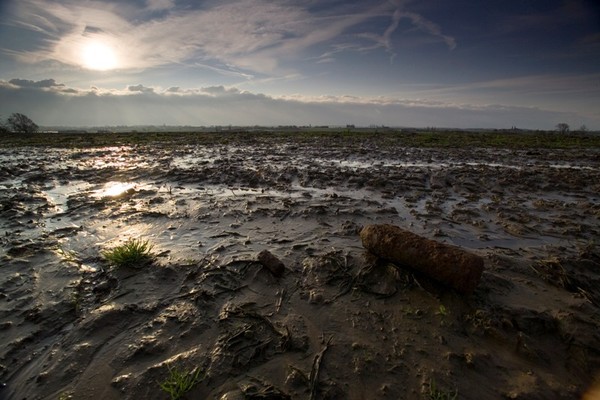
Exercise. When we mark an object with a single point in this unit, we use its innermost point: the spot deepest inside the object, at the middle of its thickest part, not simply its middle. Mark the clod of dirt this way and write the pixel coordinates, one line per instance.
(325, 277)
(380, 280)
(271, 262)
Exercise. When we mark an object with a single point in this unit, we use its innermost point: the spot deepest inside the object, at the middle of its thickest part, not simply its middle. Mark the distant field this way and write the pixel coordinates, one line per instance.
(459, 139)
(127, 257)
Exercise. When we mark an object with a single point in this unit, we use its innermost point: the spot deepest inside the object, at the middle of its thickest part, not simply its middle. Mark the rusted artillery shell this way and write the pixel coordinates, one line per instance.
(447, 264)
(273, 263)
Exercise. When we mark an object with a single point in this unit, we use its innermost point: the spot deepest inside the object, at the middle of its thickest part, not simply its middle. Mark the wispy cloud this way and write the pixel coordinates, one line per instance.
(253, 37)
(429, 27)
(556, 86)
(548, 84)
(253, 34)
(576, 93)
(159, 5)
(396, 11)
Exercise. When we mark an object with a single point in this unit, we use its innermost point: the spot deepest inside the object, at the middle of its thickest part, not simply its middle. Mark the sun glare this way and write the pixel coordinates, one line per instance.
(114, 189)
(98, 56)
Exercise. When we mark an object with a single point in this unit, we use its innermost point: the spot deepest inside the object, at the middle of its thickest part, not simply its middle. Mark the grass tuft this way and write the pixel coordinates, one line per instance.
(68, 256)
(179, 382)
(442, 310)
(133, 253)
(439, 394)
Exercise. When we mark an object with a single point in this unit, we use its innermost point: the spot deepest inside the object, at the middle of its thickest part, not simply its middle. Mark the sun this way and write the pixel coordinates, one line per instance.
(98, 55)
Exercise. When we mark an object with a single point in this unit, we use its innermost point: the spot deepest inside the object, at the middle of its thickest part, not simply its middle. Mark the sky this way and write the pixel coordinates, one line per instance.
(403, 63)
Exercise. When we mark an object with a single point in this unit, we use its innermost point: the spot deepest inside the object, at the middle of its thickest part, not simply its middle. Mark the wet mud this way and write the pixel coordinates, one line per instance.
(333, 321)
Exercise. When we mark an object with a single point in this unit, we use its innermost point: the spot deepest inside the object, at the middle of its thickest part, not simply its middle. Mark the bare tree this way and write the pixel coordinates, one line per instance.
(21, 123)
(562, 128)
(3, 128)
(583, 128)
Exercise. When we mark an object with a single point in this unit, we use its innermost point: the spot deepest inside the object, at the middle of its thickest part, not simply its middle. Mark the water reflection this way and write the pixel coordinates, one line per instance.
(114, 189)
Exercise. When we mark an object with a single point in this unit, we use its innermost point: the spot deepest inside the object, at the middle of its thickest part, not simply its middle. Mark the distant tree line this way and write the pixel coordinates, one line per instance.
(562, 128)
(565, 128)
(18, 123)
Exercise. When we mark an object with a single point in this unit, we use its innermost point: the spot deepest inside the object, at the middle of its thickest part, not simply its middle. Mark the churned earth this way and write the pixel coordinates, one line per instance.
(339, 323)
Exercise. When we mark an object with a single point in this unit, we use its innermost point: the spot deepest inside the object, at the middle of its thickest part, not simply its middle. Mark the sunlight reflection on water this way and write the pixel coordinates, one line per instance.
(114, 189)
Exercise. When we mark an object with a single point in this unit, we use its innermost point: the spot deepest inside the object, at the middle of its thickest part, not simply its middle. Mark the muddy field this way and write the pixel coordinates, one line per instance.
(339, 323)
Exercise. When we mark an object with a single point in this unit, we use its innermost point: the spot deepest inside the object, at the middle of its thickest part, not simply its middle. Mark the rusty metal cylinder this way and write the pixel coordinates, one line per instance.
(447, 264)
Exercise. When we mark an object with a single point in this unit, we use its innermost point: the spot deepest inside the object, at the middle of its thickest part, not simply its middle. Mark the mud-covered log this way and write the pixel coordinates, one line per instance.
(271, 262)
(447, 264)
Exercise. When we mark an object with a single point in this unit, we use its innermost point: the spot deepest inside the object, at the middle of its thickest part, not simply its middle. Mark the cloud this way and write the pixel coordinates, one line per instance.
(368, 41)
(140, 88)
(251, 35)
(219, 91)
(549, 83)
(429, 27)
(580, 90)
(248, 37)
(218, 105)
(91, 30)
(46, 83)
(387, 35)
(159, 5)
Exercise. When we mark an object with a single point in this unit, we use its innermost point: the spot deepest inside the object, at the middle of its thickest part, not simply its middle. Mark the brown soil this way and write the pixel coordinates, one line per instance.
(338, 323)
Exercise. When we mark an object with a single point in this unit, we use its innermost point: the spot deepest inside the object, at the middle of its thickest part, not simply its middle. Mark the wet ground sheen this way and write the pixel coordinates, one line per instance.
(339, 324)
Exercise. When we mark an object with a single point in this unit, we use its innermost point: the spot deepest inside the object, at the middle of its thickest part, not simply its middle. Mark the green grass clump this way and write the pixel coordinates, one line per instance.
(443, 311)
(179, 382)
(133, 253)
(439, 394)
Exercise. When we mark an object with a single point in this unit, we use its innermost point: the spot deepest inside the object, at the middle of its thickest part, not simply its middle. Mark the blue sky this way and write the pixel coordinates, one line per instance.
(461, 63)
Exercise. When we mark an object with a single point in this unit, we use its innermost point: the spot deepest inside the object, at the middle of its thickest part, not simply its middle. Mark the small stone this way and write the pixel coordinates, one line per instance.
(272, 263)
(41, 377)
(120, 380)
(6, 325)
(233, 395)
(384, 388)
(315, 297)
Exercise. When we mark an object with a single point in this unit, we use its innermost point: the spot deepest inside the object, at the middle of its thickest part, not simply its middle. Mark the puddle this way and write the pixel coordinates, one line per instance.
(114, 189)
(58, 193)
